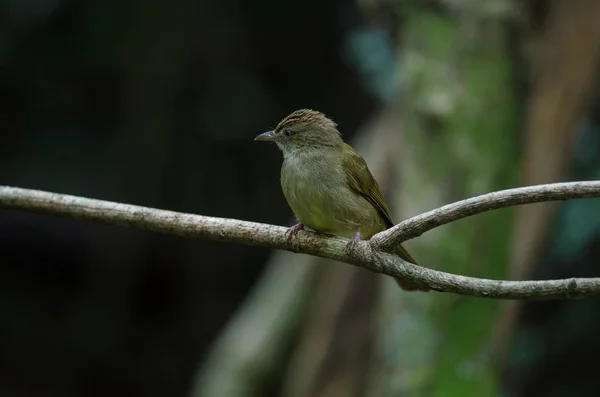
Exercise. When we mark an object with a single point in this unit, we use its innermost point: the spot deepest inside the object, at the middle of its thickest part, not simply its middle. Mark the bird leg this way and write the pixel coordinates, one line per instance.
(293, 231)
(352, 243)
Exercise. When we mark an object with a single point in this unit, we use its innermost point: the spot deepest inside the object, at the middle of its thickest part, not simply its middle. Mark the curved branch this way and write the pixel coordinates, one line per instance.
(365, 254)
(417, 225)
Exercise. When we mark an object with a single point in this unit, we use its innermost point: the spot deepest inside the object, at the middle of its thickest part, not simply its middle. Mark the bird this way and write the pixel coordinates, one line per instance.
(328, 185)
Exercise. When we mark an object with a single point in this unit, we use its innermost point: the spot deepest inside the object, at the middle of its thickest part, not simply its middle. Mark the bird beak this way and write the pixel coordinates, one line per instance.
(268, 136)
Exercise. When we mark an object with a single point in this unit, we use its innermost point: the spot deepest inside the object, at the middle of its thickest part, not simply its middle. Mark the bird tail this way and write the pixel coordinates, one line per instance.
(408, 285)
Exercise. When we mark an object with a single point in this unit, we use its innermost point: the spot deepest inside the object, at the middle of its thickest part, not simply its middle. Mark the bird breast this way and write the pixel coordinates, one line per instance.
(317, 191)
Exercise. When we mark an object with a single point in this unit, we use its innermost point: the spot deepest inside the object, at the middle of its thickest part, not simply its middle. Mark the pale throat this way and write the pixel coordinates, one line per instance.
(301, 159)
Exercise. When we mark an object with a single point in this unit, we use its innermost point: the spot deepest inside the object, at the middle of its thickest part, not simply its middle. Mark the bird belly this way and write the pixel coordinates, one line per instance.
(321, 209)
(327, 205)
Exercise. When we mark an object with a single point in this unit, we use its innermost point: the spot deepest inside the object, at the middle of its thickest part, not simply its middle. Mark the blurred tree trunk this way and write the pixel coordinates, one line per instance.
(251, 349)
(564, 60)
(333, 354)
(456, 121)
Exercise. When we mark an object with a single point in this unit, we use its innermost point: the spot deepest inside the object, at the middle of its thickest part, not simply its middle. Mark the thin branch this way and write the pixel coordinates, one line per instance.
(364, 254)
(417, 225)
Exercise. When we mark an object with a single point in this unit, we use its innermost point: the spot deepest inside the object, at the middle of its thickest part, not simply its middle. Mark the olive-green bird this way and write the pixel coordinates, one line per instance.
(327, 183)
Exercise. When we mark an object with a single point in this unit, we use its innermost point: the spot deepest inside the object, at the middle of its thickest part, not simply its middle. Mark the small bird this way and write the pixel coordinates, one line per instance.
(328, 185)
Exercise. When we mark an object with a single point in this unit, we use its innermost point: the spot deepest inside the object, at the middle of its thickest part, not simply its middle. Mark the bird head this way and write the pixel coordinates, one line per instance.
(304, 129)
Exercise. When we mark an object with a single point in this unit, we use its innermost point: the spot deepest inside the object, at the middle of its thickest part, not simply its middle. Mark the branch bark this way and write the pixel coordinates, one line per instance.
(417, 225)
(369, 255)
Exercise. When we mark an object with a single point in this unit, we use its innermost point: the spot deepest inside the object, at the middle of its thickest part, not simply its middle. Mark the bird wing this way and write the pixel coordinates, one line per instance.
(361, 181)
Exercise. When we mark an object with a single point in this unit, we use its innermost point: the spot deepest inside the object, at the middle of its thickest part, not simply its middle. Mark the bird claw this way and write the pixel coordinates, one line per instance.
(293, 231)
(352, 243)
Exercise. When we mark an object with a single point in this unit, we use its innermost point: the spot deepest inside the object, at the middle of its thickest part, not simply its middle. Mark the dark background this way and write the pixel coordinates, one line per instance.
(156, 103)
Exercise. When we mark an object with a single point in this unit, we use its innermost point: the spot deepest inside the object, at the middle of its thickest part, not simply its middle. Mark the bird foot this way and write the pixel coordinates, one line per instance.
(352, 243)
(293, 231)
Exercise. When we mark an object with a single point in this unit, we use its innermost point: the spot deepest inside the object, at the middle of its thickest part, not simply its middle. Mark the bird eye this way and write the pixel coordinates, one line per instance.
(288, 132)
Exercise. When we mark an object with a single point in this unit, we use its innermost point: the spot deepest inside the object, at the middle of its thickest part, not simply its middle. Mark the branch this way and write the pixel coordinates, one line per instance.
(366, 254)
(417, 225)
